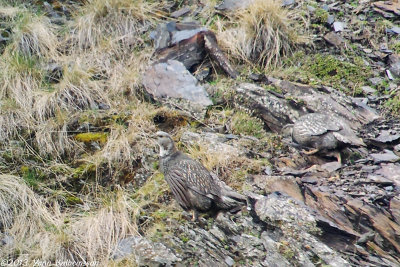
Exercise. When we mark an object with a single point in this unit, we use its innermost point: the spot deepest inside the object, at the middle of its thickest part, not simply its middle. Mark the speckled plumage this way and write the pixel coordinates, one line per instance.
(192, 185)
(323, 132)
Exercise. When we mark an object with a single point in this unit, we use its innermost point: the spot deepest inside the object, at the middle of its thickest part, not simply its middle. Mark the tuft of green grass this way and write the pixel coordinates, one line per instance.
(242, 123)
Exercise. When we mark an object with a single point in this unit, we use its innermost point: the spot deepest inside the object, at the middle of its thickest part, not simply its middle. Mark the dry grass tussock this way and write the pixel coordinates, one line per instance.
(123, 21)
(127, 145)
(42, 231)
(261, 34)
(75, 92)
(32, 34)
(225, 162)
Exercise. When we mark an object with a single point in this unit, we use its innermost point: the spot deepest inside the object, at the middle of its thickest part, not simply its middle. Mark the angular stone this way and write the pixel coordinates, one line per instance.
(387, 156)
(161, 36)
(283, 184)
(327, 206)
(394, 65)
(173, 80)
(389, 6)
(334, 39)
(386, 227)
(387, 136)
(331, 166)
(395, 208)
(144, 251)
(376, 80)
(390, 171)
(368, 90)
(231, 5)
(181, 12)
(338, 26)
(287, 2)
(331, 19)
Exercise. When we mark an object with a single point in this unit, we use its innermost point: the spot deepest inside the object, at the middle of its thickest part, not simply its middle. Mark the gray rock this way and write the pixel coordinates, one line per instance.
(5, 36)
(331, 166)
(181, 12)
(325, 7)
(231, 5)
(395, 30)
(273, 258)
(334, 39)
(144, 251)
(185, 34)
(161, 36)
(287, 2)
(387, 136)
(387, 156)
(229, 261)
(368, 90)
(389, 75)
(390, 171)
(171, 82)
(376, 80)
(397, 148)
(6, 240)
(394, 65)
(311, 9)
(338, 26)
(278, 208)
(331, 19)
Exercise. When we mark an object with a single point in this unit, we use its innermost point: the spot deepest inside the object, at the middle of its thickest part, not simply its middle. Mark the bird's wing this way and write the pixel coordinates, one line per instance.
(318, 124)
(178, 187)
(198, 178)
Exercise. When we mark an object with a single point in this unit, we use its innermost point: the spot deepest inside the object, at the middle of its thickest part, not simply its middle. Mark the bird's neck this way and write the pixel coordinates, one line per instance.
(167, 151)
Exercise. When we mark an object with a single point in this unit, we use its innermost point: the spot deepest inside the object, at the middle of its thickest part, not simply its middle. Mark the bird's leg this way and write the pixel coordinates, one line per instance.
(311, 152)
(195, 216)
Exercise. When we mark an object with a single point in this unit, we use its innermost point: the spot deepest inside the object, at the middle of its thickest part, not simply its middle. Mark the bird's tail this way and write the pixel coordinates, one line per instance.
(229, 199)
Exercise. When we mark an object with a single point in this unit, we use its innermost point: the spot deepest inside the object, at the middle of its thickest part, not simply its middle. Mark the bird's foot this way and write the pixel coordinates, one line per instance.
(195, 217)
(311, 152)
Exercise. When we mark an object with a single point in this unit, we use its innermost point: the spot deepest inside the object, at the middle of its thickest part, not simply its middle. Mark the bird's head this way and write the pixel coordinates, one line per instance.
(287, 131)
(166, 143)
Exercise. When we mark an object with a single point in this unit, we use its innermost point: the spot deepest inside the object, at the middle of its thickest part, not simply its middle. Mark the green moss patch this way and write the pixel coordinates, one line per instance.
(90, 137)
(344, 75)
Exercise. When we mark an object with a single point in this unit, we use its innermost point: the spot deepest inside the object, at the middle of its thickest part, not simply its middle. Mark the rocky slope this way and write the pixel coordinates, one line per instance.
(86, 84)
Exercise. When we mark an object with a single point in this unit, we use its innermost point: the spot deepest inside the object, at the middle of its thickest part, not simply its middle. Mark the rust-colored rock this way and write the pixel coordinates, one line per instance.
(283, 184)
(388, 229)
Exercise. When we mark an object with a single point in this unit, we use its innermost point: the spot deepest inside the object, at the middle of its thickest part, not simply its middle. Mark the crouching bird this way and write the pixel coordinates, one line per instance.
(322, 133)
(192, 185)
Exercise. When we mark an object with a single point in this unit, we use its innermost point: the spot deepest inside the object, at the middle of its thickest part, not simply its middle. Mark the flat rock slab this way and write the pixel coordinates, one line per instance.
(382, 224)
(387, 156)
(395, 208)
(279, 109)
(387, 136)
(390, 171)
(231, 5)
(334, 39)
(331, 166)
(283, 184)
(389, 6)
(171, 80)
(181, 12)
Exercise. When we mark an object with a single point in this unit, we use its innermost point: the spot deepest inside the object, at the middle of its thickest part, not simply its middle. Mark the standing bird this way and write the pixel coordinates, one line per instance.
(322, 133)
(192, 185)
